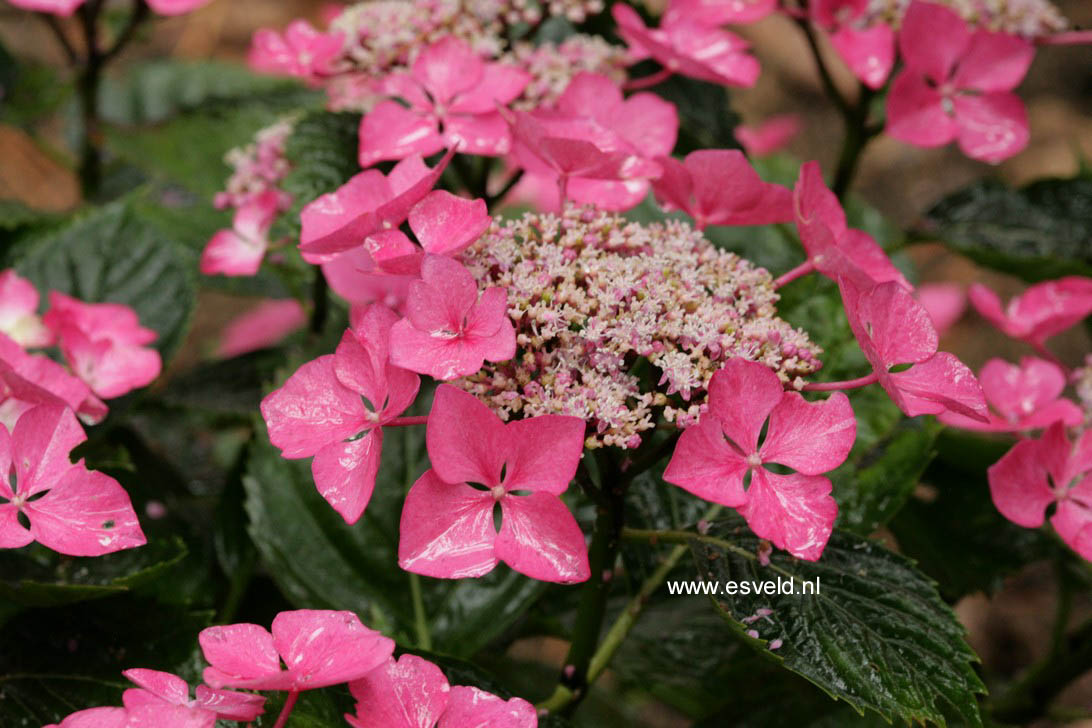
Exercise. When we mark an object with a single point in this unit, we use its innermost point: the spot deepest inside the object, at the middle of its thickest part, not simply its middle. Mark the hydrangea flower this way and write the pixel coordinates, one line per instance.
(334, 408)
(719, 187)
(412, 692)
(318, 648)
(957, 85)
(239, 251)
(768, 136)
(447, 530)
(28, 380)
(1040, 312)
(719, 12)
(266, 325)
(67, 7)
(945, 303)
(19, 311)
(867, 46)
(714, 457)
(107, 717)
(893, 329)
(1051, 470)
(368, 203)
(104, 344)
(70, 509)
(449, 330)
(443, 223)
(164, 699)
(598, 145)
(302, 51)
(452, 96)
(1024, 397)
(689, 47)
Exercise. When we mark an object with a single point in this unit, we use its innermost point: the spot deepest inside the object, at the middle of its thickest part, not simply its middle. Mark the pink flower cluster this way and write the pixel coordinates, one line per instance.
(67, 7)
(305, 650)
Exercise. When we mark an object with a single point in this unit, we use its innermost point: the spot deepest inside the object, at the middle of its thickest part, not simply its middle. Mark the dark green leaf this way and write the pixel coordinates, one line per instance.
(1037, 232)
(115, 254)
(876, 634)
(706, 119)
(229, 386)
(14, 214)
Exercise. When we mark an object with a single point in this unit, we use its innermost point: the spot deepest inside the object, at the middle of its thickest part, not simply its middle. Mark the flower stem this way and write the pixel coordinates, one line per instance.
(407, 421)
(654, 79)
(320, 301)
(801, 270)
(858, 135)
(289, 704)
(838, 386)
(420, 620)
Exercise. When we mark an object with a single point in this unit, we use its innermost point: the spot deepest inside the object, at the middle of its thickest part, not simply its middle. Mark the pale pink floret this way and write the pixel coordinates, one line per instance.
(712, 459)
(945, 303)
(80, 512)
(53, 7)
(957, 85)
(453, 97)
(1036, 473)
(689, 48)
(19, 311)
(447, 526)
(302, 51)
(719, 12)
(768, 136)
(264, 326)
(104, 344)
(367, 204)
(443, 223)
(1040, 312)
(175, 7)
(449, 330)
(719, 187)
(867, 48)
(333, 409)
(238, 251)
(165, 698)
(353, 275)
(95, 718)
(28, 380)
(1024, 397)
(319, 648)
(413, 693)
(599, 146)
(893, 329)
(833, 248)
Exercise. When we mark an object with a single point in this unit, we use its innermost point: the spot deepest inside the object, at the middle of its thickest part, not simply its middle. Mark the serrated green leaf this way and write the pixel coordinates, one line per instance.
(877, 634)
(1037, 232)
(115, 254)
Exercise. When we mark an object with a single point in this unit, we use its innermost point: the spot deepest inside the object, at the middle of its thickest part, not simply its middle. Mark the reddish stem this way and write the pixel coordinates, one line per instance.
(801, 270)
(838, 386)
(563, 189)
(1041, 350)
(407, 421)
(289, 704)
(637, 84)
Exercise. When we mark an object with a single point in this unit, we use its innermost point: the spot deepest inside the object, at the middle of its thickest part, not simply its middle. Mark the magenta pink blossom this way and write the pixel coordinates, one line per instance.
(239, 251)
(944, 302)
(354, 276)
(719, 12)
(867, 48)
(893, 329)
(334, 408)
(175, 7)
(719, 187)
(833, 248)
(443, 223)
(367, 204)
(689, 47)
(599, 146)
(95, 717)
(413, 693)
(67, 7)
(453, 97)
(265, 325)
(447, 526)
(104, 344)
(1024, 397)
(78, 512)
(449, 330)
(302, 51)
(957, 85)
(19, 311)
(769, 136)
(1052, 470)
(713, 458)
(318, 647)
(1040, 312)
(164, 700)
(27, 380)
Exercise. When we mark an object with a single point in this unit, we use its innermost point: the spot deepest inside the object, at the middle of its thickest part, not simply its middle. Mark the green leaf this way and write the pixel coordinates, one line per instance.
(14, 214)
(115, 254)
(876, 634)
(319, 561)
(1037, 232)
(229, 386)
(706, 119)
